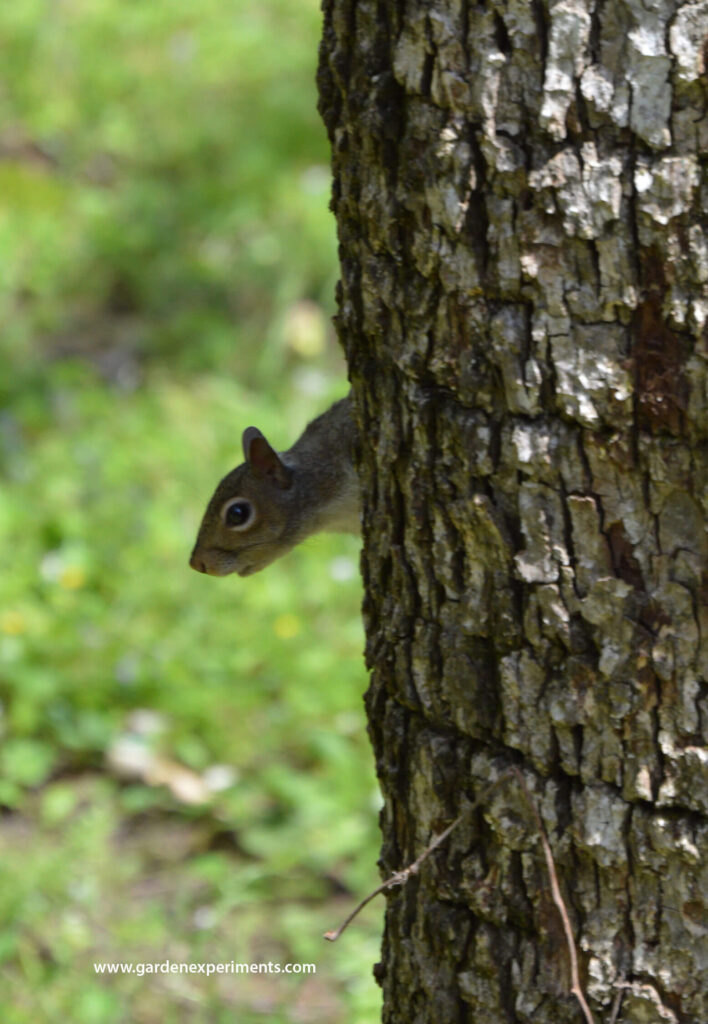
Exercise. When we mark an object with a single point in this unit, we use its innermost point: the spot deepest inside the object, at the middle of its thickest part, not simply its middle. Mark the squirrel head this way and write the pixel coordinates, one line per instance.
(252, 517)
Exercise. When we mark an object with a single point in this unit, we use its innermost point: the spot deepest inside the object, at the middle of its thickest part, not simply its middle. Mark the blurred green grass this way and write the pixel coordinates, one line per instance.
(168, 271)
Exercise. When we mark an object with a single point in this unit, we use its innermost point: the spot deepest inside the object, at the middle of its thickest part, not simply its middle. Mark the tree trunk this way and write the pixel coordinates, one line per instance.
(520, 191)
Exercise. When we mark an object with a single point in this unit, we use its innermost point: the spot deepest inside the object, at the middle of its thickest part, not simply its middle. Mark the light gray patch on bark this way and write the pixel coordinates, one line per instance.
(665, 189)
(648, 73)
(570, 29)
(592, 385)
(687, 37)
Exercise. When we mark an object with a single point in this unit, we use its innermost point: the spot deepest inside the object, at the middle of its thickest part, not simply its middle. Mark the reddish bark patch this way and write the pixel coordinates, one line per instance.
(625, 564)
(653, 617)
(657, 358)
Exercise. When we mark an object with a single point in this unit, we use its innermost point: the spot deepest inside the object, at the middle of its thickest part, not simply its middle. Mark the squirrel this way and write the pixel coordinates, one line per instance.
(273, 501)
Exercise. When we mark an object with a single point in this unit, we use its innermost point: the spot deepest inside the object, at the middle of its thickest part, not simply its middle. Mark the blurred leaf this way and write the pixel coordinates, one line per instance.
(25, 762)
(58, 802)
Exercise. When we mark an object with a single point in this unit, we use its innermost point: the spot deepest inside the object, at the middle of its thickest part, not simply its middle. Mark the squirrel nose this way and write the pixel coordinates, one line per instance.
(197, 563)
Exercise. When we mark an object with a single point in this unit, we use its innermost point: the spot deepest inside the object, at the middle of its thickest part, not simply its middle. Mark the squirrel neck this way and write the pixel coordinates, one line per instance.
(323, 461)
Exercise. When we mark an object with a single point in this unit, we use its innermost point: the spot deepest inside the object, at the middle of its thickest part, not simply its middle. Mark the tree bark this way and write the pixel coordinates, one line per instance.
(520, 191)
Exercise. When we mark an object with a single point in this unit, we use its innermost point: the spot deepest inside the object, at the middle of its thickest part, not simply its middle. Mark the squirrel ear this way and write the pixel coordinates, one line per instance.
(263, 460)
(249, 436)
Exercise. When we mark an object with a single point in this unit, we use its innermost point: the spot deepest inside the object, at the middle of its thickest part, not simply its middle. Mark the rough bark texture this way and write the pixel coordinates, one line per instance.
(520, 190)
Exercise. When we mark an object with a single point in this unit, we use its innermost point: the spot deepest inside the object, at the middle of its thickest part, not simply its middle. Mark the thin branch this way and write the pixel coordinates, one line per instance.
(401, 877)
(576, 987)
(617, 1003)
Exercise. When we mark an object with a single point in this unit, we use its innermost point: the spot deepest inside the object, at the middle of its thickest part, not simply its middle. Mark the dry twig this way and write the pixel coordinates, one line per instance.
(401, 877)
(575, 986)
(617, 1002)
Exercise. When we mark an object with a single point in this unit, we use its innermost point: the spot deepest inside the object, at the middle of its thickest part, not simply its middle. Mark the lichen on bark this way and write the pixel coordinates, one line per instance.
(520, 191)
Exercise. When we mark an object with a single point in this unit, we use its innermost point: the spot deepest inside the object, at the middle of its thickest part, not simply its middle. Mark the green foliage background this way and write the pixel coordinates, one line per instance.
(168, 267)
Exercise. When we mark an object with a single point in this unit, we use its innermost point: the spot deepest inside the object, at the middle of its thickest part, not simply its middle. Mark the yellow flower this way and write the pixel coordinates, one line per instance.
(72, 577)
(286, 626)
(13, 623)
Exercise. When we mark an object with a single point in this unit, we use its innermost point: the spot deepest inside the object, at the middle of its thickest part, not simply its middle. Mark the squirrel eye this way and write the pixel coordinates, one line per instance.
(238, 514)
